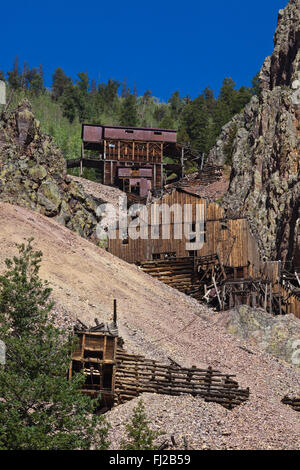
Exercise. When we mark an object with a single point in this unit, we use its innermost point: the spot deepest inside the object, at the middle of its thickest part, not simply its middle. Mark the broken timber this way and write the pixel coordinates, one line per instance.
(136, 375)
(293, 402)
(206, 278)
(253, 292)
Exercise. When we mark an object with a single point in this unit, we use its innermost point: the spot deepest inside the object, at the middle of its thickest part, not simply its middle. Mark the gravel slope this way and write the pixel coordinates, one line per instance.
(106, 193)
(158, 321)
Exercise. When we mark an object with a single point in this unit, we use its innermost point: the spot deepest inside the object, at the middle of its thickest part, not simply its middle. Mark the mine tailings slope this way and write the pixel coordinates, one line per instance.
(158, 321)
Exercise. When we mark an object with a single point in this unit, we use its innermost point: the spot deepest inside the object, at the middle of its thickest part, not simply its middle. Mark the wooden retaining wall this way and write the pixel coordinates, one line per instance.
(178, 272)
(136, 375)
(293, 402)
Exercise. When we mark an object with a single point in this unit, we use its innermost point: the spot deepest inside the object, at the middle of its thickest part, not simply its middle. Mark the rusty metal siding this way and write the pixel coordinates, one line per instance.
(140, 173)
(92, 133)
(146, 172)
(124, 172)
(95, 133)
(145, 185)
(150, 135)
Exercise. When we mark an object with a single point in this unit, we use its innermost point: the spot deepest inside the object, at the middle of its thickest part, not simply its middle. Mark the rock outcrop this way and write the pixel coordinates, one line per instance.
(278, 336)
(33, 174)
(264, 146)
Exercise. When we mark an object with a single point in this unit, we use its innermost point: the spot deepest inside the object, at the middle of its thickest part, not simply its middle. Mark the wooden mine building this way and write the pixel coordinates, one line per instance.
(130, 158)
(230, 239)
(228, 266)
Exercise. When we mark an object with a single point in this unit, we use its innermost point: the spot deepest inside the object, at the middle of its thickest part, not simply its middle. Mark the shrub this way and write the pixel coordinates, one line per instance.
(139, 435)
(39, 408)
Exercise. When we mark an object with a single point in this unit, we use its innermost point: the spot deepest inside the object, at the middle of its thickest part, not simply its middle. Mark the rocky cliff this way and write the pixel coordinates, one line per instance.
(264, 146)
(278, 336)
(33, 174)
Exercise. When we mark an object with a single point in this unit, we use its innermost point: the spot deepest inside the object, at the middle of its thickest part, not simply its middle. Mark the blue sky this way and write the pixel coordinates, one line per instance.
(163, 45)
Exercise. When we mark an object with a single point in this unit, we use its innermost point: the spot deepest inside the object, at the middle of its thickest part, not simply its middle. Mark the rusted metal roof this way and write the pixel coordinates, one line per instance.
(96, 133)
(140, 173)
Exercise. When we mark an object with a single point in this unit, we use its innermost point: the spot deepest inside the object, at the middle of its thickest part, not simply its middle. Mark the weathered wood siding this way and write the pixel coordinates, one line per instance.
(230, 239)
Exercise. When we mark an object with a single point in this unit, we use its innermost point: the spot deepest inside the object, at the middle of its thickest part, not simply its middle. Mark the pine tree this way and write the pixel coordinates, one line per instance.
(35, 81)
(69, 102)
(167, 122)
(39, 408)
(111, 92)
(59, 83)
(41, 71)
(242, 97)
(255, 85)
(25, 76)
(160, 111)
(125, 91)
(82, 97)
(14, 77)
(194, 123)
(210, 101)
(175, 105)
(128, 113)
(227, 93)
(147, 96)
(139, 435)
(83, 83)
(225, 106)
(93, 87)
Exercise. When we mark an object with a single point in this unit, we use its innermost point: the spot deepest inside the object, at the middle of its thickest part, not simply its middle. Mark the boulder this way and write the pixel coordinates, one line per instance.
(279, 336)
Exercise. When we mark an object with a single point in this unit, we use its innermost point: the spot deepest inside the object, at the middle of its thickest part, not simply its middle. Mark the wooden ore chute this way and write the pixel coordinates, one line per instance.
(95, 356)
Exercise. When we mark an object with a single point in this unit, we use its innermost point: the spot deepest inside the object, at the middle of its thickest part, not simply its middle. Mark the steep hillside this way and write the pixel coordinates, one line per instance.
(85, 279)
(264, 145)
(158, 321)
